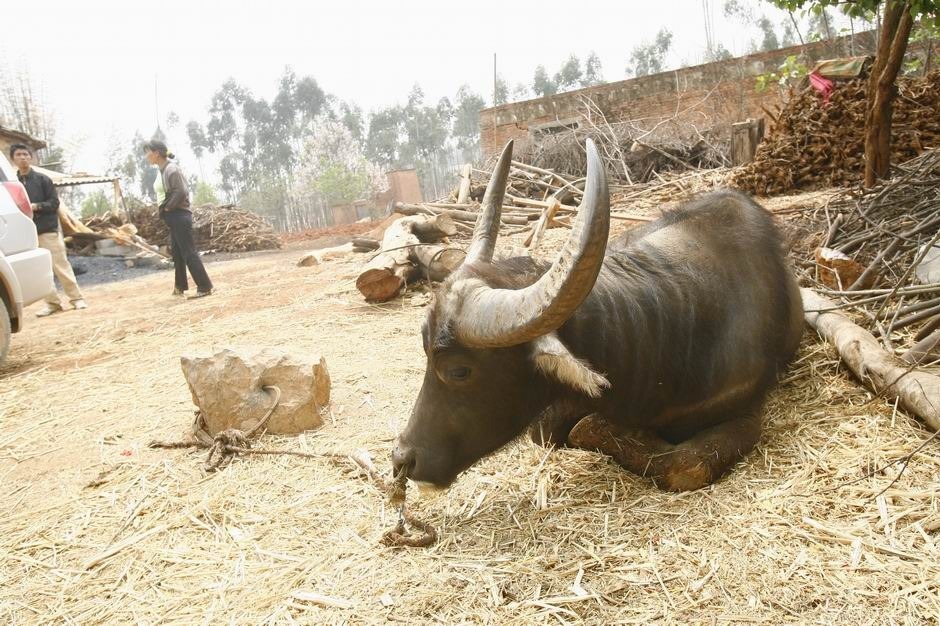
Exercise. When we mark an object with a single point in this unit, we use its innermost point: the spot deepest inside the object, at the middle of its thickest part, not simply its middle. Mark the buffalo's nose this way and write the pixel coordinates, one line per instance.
(403, 459)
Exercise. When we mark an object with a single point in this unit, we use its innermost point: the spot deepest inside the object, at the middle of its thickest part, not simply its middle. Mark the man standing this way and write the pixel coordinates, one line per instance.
(176, 213)
(45, 205)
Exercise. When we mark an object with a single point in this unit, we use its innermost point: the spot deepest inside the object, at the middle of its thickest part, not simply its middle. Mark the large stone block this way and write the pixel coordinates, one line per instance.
(228, 387)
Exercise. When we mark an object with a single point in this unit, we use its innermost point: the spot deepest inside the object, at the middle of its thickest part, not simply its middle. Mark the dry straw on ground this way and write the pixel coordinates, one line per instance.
(797, 533)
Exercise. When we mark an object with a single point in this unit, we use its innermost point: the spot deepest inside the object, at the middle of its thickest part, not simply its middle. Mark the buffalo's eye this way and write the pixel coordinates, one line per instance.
(458, 372)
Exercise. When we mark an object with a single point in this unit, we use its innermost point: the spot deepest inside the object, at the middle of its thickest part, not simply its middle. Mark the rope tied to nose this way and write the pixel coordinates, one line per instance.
(232, 441)
(399, 536)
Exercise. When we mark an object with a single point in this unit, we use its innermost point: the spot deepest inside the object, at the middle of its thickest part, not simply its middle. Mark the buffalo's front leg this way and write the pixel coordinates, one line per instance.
(692, 464)
(554, 423)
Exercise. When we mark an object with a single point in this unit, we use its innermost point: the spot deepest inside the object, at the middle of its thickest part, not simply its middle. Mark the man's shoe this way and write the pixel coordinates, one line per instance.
(78, 305)
(201, 294)
(49, 310)
(179, 293)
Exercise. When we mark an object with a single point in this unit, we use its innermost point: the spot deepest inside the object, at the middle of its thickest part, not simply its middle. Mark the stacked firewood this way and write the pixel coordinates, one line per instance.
(414, 242)
(530, 191)
(814, 144)
(223, 228)
(230, 229)
(878, 252)
(81, 237)
(536, 199)
(629, 157)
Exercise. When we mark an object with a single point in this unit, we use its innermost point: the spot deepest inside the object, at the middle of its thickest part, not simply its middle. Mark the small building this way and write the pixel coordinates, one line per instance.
(60, 179)
(351, 212)
(8, 137)
(403, 186)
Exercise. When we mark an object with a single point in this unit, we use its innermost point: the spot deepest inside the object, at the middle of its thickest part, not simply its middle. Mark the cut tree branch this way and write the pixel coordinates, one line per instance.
(917, 391)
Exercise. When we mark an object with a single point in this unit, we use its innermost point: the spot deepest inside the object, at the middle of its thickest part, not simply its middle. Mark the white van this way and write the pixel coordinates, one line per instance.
(25, 268)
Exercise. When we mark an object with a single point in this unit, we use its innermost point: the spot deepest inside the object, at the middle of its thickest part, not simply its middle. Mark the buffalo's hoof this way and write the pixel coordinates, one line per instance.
(594, 433)
(684, 471)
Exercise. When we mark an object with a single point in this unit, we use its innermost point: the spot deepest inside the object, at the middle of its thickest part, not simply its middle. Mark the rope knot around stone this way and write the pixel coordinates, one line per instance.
(222, 448)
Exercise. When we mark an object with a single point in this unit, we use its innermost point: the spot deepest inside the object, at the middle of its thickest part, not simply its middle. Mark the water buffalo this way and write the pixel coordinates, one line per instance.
(657, 348)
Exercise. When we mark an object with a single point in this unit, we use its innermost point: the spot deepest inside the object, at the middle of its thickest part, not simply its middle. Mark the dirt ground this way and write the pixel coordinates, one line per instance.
(96, 527)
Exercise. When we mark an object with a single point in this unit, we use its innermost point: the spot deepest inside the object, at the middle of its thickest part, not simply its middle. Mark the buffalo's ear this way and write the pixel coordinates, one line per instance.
(553, 359)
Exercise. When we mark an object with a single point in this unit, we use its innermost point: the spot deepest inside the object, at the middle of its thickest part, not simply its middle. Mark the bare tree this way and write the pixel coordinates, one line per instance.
(22, 109)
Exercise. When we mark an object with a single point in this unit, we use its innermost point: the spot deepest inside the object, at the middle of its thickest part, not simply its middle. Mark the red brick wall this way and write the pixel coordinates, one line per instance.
(706, 95)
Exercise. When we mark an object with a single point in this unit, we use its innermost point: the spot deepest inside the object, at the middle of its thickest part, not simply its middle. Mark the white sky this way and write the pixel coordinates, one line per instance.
(96, 61)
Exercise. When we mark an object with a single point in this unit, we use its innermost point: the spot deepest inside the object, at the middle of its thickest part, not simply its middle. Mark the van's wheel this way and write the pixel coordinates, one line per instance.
(4, 331)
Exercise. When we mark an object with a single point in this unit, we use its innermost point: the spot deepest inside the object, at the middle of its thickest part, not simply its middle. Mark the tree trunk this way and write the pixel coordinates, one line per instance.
(892, 44)
(317, 257)
(917, 391)
(924, 351)
(365, 244)
(461, 216)
(437, 262)
(463, 192)
(386, 275)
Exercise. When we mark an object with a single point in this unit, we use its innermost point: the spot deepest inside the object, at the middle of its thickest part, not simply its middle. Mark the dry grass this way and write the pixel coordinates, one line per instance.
(94, 527)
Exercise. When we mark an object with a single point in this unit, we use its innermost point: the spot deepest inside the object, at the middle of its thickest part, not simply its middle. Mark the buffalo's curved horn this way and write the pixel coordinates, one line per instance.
(487, 228)
(494, 318)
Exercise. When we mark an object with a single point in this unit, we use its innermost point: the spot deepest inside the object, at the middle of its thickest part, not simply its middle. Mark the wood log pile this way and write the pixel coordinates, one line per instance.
(629, 160)
(403, 250)
(222, 228)
(531, 193)
(812, 144)
(633, 150)
(414, 243)
(412, 248)
(873, 251)
(81, 237)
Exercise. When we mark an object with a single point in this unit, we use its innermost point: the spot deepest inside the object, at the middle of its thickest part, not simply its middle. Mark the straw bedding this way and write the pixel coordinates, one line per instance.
(94, 527)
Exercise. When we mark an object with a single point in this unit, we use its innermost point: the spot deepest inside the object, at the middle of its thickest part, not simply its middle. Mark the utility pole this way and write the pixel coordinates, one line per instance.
(156, 100)
(494, 103)
(709, 29)
(494, 79)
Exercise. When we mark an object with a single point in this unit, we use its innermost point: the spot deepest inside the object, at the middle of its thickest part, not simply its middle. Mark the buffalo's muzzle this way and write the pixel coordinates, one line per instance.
(403, 459)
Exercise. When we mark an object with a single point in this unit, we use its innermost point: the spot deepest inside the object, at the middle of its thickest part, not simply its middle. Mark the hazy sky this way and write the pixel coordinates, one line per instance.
(96, 61)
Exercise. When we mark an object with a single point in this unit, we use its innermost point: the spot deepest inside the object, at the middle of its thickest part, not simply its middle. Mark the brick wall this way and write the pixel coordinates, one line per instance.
(706, 95)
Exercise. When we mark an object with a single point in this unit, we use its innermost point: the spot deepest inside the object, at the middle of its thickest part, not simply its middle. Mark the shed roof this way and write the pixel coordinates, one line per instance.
(78, 178)
(18, 136)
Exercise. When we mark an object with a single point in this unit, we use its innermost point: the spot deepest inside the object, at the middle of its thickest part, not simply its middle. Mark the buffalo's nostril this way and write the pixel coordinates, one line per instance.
(403, 460)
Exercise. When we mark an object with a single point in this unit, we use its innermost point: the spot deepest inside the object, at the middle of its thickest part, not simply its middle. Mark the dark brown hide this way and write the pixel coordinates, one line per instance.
(691, 319)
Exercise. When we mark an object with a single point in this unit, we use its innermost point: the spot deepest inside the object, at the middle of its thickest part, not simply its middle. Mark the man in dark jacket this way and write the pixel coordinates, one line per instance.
(176, 213)
(44, 201)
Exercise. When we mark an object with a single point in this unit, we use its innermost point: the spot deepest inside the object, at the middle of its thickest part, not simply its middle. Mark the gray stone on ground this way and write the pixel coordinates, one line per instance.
(228, 387)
